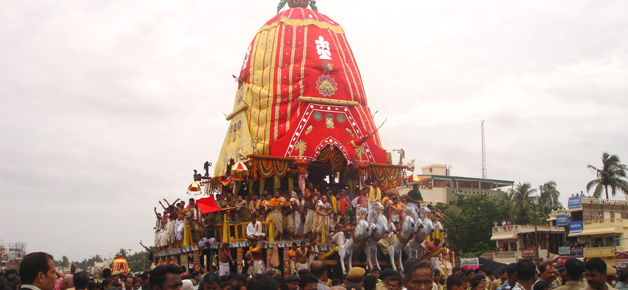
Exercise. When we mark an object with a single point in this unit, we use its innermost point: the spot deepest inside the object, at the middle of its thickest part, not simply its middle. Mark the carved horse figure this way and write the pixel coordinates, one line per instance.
(380, 230)
(408, 228)
(427, 228)
(362, 231)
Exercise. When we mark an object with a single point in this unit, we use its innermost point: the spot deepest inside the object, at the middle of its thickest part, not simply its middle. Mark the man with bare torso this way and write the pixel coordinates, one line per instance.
(302, 255)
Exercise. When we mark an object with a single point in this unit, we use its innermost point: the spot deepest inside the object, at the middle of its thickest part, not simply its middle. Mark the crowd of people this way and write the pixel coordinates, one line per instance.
(37, 272)
(295, 215)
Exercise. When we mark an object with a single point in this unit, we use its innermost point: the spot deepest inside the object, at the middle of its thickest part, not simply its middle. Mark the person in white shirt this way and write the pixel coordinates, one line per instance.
(254, 230)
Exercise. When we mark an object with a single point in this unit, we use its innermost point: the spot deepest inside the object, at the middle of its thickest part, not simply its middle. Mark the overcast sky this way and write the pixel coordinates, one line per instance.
(108, 106)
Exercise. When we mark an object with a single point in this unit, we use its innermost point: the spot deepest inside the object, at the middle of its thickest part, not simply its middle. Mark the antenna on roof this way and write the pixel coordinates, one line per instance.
(483, 153)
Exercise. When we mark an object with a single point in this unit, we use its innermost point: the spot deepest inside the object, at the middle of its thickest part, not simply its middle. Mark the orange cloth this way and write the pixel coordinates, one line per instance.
(274, 202)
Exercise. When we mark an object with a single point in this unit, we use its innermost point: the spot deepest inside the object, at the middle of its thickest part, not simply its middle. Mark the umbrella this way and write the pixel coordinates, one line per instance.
(413, 178)
(194, 188)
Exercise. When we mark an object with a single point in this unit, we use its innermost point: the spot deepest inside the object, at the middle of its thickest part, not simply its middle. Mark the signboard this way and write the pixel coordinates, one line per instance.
(575, 202)
(575, 227)
(470, 263)
(562, 220)
(560, 260)
(577, 252)
(564, 251)
(529, 253)
(621, 260)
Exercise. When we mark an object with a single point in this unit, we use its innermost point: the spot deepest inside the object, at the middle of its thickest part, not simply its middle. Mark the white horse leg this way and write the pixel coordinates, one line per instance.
(391, 253)
(400, 263)
(374, 251)
(342, 252)
(367, 251)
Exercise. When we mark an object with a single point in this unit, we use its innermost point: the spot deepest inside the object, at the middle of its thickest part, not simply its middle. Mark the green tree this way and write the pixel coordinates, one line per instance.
(138, 262)
(470, 221)
(611, 175)
(65, 262)
(548, 200)
(522, 202)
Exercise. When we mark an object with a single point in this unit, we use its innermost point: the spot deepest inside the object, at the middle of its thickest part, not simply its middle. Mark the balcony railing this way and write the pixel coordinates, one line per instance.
(604, 221)
(505, 255)
(599, 252)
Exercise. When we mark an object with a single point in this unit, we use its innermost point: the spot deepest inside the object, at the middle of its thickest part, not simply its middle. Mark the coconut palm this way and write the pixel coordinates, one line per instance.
(548, 200)
(611, 175)
(522, 200)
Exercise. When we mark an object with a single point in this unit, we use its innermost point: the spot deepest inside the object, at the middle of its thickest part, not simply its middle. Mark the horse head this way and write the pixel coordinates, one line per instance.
(408, 227)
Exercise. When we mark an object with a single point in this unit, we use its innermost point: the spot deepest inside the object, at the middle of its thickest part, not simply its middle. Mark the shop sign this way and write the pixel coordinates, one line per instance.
(575, 202)
(577, 252)
(564, 251)
(562, 220)
(529, 253)
(575, 227)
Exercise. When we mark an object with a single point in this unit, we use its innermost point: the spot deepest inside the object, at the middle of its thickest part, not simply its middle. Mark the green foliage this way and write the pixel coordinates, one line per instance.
(522, 203)
(470, 221)
(138, 262)
(612, 175)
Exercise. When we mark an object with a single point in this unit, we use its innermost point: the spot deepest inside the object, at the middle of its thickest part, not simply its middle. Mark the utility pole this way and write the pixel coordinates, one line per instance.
(536, 235)
(484, 174)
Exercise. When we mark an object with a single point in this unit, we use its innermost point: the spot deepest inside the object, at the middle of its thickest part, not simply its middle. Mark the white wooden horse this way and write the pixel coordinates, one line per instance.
(408, 228)
(381, 229)
(362, 231)
(426, 229)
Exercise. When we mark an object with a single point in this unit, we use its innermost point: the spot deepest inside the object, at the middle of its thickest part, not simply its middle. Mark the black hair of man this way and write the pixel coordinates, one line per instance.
(106, 283)
(261, 282)
(511, 269)
(335, 282)
(541, 285)
(32, 264)
(454, 280)
(241, 278)
(106, 273)
(544, 266)
(12, 280)
(413, 264)
(596, 264)
(525, 270)
(81, 280)
(145, 275)
(574, 268)
(158, 275)
(209, 278)
(224, 285)
(456, 269)
(397, 278)
(306, 279)
(623, 276)
(281, 282)
(489, 272)
(475, 283)
(318, 268)
(369, 282)
(186, 277)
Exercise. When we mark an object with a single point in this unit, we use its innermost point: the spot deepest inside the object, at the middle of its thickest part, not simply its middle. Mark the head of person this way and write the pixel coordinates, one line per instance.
(145, 279)
(67, 281)
(541, 285)
(80, 280)
(418, 275)
(191, 201)
(261, 282)
(511, 272)
(128, 283)
(294, 245)
(437, 275)
(38, 269)
(456, 270)
(395, 282)
(415, 186)
(303, 244)
(456, 282)
(369, 282)
(308, 282)
(210, 282)
(277, 193)
(376, 272)
(525, 271)
(356, 275)
(476, 284)
(318, 268)
(548, 272)
(489, 273)
(106, 273)
(469, 274)
(387, 273)
(166, 277)
(324, 198)
(481, 279)
(596, 273)
(293, 282)
(136, 284)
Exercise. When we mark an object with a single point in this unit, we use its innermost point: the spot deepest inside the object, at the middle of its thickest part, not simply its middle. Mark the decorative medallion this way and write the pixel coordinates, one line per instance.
(340, 118)
(318, 116)
(326, 86)
(329, 116)
(329, 122)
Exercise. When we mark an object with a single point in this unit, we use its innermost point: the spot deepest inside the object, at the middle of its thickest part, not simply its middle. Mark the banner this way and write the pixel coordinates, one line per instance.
(575, 202)
(621, 260)
(577, 252)
(529, 253)
(469, 263)
(562, 220)
(575, 227)
(564, 251)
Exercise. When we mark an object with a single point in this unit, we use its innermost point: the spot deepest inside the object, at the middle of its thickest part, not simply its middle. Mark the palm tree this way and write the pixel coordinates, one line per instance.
(610, 175)
(549, 197)
(522, 201)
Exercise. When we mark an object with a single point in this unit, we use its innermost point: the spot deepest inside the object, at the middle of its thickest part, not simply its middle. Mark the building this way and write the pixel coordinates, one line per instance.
(597, 227)
(438, 186)
(516, 242)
